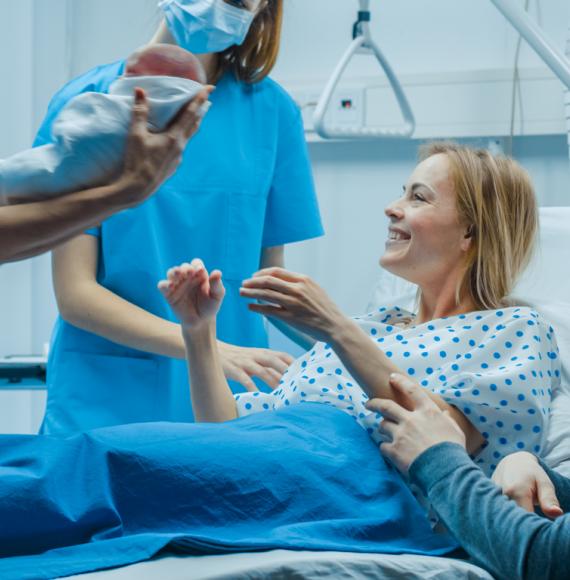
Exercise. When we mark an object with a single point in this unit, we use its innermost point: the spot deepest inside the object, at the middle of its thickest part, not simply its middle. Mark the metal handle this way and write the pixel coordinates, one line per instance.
(531, 32)
(363, 42)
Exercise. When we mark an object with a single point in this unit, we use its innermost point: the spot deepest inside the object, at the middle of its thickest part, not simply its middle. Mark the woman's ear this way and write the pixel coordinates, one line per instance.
(467, 238)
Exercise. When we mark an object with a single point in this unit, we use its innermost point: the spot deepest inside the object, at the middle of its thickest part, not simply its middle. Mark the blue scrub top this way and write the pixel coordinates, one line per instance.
(245, 183)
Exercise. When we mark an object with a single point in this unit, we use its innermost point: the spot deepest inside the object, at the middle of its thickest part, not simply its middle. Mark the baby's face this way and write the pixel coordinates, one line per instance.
(165, 60)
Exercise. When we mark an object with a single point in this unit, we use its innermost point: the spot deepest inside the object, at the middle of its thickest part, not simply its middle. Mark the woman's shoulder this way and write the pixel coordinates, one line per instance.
(96, 80)
(270, 90)
(520, 323)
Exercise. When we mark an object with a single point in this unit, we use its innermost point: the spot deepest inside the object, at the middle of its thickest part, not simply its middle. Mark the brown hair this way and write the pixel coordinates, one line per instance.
(253, 60)
(496, 201)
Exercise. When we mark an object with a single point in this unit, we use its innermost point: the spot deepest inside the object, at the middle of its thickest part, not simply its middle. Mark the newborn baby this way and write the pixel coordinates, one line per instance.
(89, 136)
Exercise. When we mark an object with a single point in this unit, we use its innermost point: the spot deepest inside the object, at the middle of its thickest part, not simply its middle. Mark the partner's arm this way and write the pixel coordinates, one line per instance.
(502, 537)
(30, 229)
(423, 442)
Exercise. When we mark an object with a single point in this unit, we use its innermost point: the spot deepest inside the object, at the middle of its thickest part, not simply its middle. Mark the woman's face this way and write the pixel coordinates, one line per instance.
(426, 242)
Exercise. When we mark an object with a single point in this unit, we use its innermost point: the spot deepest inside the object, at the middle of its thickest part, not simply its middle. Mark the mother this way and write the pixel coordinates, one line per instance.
(243, 190)
(463, 231)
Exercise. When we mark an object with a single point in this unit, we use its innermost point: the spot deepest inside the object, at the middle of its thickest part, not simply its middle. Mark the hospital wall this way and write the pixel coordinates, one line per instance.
(50, 41)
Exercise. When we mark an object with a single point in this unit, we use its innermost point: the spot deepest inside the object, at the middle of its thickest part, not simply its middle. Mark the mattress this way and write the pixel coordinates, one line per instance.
(301, 565)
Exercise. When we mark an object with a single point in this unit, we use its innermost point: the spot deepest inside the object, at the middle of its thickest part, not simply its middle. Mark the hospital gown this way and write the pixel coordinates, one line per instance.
(498, 367)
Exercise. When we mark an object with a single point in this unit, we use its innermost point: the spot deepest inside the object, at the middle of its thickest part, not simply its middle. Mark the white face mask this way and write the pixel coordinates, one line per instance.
(203, 26)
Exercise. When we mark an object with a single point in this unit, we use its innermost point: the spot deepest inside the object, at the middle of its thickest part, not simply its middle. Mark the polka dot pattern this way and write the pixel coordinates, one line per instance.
(498, 367)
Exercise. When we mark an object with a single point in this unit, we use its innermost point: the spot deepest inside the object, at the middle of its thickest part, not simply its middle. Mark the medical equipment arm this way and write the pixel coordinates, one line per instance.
(501, 537)
(532, 33)
(363, 43)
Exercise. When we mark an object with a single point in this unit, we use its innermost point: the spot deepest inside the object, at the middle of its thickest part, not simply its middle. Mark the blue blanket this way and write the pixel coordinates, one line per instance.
(305, 477)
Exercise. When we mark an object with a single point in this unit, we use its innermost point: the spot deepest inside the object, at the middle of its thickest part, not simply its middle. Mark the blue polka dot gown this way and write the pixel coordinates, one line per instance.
(498, 367)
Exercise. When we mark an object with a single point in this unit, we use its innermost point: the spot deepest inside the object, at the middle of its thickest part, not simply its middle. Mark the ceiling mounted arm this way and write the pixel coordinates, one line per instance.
(363, 43)
(531, 32)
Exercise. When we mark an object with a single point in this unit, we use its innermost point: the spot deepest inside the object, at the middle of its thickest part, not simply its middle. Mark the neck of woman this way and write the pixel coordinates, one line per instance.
(209, 60)
(439, 299)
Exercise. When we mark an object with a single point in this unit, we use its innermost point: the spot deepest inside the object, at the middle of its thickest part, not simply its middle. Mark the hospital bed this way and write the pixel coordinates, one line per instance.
(546, 287)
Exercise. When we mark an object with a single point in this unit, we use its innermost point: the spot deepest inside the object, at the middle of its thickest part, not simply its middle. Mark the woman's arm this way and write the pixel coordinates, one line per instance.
(196, 298)
(372, 369)
(30, 229)
(275, 258)
(83, 302)
(299, 301)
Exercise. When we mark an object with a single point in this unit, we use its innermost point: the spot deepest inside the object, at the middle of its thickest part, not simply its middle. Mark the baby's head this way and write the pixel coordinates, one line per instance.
(165, 60)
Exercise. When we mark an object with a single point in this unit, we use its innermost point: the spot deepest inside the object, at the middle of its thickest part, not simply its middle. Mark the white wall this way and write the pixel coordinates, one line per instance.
(46, 41)
(416, 35)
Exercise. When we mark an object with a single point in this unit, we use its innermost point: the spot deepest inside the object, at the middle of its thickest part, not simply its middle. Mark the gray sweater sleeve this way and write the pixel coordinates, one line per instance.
(501, 537)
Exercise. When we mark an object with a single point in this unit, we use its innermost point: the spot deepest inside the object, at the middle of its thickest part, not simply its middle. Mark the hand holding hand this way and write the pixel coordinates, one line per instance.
(413, 425)
(295, 299)
(194, 295)
(522, 479)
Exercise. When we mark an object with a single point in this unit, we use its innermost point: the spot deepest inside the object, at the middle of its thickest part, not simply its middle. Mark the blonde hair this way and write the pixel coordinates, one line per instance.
(497, 203)
(253, 60)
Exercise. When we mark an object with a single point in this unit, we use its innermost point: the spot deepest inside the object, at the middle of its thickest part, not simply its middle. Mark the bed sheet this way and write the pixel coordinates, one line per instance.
(301, 565)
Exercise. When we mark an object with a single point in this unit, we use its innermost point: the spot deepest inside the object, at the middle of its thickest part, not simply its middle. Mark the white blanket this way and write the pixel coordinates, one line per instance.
(89, 139)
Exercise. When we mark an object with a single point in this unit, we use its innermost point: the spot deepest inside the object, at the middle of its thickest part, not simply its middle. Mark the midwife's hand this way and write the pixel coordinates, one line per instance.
(295, 299)
(411, 429)
(193, 294)
(521, 478)
(150, 158)
(241, 364)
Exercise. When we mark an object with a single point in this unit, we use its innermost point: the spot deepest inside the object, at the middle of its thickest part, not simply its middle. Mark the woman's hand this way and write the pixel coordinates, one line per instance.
(194, 295)
(413, 425)
(522, 479)
(242, 363)
(151, 158)
(295, 299)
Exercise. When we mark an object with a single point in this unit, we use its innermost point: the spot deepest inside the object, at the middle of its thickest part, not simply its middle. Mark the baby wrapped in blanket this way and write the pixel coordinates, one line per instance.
(89, 136)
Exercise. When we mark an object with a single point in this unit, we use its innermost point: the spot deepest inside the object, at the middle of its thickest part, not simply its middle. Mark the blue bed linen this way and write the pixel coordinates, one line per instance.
(304, 477)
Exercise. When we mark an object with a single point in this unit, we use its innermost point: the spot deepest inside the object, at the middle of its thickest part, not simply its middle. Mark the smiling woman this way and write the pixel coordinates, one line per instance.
(467, 221)
(492, 368)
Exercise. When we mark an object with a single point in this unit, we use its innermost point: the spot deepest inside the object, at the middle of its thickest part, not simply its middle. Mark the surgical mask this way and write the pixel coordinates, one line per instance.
(203, 26)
